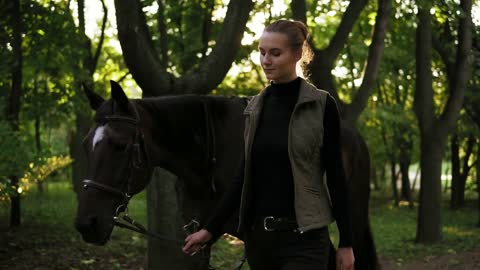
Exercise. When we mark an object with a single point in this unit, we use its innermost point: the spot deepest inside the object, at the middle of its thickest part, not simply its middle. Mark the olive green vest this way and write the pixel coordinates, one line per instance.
(305, 139)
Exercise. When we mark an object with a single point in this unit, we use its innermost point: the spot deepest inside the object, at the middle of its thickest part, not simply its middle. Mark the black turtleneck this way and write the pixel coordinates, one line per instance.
(271, 170)
(272, 177)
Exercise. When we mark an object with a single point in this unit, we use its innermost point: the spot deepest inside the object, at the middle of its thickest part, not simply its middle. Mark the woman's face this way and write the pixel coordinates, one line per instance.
(277, 58)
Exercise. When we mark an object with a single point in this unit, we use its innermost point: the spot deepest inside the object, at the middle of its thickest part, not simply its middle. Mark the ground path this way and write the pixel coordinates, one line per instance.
(467, 260)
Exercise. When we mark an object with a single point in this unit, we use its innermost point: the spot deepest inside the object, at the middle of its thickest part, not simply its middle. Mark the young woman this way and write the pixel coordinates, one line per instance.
(292, 137)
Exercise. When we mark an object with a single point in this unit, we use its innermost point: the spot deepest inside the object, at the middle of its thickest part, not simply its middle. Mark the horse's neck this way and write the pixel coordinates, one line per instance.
(189, 114)
(176, 128)
(181, 144)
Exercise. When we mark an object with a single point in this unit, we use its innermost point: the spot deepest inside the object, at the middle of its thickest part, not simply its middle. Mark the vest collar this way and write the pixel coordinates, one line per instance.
(307, 92)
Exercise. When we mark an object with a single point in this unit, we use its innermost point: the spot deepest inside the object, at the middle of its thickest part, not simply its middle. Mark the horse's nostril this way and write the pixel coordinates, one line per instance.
(85, 226)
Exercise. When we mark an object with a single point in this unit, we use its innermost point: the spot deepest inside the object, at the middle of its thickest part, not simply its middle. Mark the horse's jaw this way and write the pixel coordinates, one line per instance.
(97, 235)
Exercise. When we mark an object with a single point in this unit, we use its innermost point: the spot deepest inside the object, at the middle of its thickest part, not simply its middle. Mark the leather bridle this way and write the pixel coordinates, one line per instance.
(136, 162)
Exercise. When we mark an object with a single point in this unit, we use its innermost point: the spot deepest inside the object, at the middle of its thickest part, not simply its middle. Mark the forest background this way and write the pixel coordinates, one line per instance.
(405, 74)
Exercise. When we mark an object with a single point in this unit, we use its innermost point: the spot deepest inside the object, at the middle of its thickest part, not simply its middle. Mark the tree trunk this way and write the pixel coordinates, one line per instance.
(383, 175)
(39, 147)
(13, 110)
(434, 130)
(465, 170)
(429, 214)
(406, 193)
(164, 218)
(324, 59)
(478, 179)
(393, 175)
(429, 228)
(38, 142)
(143, 62)
(456, 175)
(374, 178)
(299, 10)
(15, 212)
(79, 166)
(415, 179)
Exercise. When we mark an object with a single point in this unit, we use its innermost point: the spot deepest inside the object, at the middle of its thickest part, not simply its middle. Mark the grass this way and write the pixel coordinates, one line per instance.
(47, 231)
(394, 230)
(47, 237)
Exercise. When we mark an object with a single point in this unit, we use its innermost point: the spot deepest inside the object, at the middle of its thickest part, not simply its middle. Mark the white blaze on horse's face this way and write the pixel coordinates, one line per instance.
(99, 135)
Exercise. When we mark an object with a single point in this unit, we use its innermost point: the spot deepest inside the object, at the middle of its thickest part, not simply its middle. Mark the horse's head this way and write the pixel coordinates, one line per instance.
(118, 164)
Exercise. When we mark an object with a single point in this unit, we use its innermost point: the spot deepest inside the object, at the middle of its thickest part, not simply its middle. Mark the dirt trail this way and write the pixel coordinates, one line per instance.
(468, 260)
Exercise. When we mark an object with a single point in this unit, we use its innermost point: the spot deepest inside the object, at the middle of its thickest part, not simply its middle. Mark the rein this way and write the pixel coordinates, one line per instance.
(121, 218)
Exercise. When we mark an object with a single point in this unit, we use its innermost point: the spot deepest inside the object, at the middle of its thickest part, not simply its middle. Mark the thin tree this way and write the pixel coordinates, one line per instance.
(460, 171)
(13, 109)
(434, 129)
(86, 68)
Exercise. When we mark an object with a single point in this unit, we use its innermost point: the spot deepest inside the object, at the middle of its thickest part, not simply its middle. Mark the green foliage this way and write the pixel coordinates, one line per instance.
(14, 157)
(227, 252)
(43, 168)
(49, 61)
(247, 82)
(390, 129)
(184, 23)
(323, 18)
(48, 65)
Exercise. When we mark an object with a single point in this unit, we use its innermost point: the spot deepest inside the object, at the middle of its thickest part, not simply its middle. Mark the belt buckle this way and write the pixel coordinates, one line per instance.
(265, 223)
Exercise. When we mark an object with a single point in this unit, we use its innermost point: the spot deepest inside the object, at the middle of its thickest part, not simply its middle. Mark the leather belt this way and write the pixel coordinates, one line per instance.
(271, 224)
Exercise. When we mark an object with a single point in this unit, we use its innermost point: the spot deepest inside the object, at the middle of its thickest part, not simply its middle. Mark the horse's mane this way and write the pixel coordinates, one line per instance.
(191, 106)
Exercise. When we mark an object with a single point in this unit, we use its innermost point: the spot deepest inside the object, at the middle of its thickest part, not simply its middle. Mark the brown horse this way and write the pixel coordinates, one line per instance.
(199, 139)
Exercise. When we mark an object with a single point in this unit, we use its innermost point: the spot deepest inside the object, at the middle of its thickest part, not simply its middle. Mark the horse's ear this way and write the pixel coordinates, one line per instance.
(118, 95)
(94, 99)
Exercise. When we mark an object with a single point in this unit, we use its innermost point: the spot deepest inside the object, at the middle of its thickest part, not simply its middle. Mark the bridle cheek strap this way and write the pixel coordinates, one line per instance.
(90, 183)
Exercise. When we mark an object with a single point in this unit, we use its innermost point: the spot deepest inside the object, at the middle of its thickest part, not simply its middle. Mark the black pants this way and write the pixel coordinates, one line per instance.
(287, 250)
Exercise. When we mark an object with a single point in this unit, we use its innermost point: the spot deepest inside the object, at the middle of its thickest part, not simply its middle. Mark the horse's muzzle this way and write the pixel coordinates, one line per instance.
(94, 230)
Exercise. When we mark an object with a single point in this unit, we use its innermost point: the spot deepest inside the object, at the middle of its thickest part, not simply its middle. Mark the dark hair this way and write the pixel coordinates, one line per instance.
(298, 37)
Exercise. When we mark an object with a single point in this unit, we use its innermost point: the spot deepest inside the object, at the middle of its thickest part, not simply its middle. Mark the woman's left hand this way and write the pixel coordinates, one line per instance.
(345, 258)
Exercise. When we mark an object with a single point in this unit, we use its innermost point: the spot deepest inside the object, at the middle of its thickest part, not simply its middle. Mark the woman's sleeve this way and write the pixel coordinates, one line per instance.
(227, 205)
(336, 181)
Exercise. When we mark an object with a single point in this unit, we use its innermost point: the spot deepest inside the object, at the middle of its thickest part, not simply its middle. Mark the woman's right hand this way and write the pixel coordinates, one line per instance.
(195, 241)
